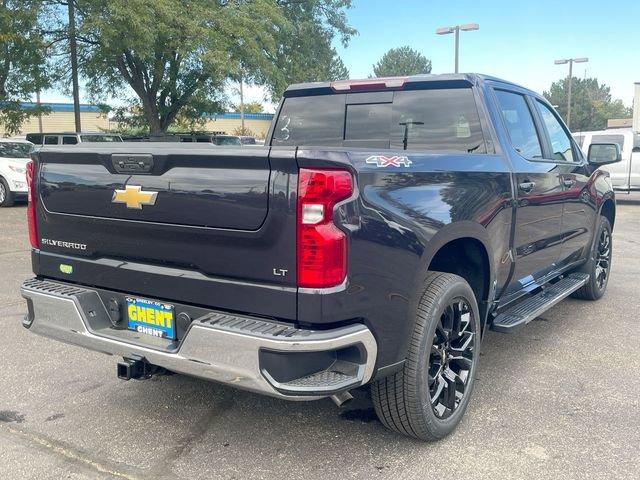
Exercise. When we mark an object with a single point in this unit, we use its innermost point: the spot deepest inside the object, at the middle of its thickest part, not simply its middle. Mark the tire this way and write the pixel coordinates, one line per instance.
(599, 264)
(6, 195)
(404, 402)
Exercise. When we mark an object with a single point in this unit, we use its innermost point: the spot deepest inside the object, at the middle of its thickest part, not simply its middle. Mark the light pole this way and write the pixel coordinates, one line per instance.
(570, 61)
(456, 29)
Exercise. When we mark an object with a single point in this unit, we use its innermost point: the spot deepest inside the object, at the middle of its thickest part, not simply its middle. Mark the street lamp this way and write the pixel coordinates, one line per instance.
(570, 61)
(456, 29)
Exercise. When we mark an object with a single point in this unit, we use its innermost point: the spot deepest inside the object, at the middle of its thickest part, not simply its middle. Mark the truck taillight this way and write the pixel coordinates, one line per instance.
(31, 208)
(321, 246)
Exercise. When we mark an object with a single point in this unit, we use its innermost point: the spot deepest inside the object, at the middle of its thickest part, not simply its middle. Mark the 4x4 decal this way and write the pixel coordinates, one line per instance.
(382, 161)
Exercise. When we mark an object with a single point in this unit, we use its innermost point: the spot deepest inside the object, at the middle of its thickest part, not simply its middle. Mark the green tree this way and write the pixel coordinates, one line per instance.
(177, 55)
(402, 61)
(172, 53)
(250, 107)
(23, 65)
(305, 51)
(591, 103)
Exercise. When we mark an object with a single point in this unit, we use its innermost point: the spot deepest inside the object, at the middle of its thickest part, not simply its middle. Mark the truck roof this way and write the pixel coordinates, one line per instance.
(393, 83)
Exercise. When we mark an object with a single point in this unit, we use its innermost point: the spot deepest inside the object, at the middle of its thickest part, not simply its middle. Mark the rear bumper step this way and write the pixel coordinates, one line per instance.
(242, 351)
(529, 309)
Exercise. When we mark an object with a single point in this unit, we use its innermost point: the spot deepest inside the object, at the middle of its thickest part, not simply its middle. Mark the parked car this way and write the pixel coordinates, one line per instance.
(197, 137)
(391, 224)
(14, 155)
(626, 174)
(71, 138)
(247, 140)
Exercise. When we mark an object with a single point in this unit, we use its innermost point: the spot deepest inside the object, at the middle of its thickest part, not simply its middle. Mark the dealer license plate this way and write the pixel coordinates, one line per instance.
(151, 317)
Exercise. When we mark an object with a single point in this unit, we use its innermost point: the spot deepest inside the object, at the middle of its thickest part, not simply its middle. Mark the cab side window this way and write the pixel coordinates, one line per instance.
(558, 136)
(519, 122)
(68, 140)
(51, 140)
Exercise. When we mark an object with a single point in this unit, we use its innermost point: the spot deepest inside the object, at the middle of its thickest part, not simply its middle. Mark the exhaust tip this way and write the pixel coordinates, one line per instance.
(341, 398)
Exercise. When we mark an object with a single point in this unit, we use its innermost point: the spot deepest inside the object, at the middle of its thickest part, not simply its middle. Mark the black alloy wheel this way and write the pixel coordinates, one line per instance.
(451, 358)
(598, 266)
(603, 258)
(427, 398)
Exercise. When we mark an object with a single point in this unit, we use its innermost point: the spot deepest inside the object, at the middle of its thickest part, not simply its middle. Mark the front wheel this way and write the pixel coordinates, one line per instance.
(6, 196)
(599, 264)
(429, 396)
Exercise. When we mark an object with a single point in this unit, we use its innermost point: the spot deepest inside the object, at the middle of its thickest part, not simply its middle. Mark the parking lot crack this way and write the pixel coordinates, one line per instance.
(163, 469)
(69, 453)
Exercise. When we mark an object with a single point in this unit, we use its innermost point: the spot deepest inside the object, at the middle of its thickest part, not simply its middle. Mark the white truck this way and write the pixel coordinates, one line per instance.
(14, 155)
(625, 175)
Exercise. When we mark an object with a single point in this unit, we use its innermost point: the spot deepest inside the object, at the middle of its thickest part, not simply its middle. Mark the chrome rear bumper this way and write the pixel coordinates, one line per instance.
(231, 349)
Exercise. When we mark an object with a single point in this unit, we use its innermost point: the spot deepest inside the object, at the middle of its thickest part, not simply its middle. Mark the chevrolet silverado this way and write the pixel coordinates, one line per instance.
(385, 227)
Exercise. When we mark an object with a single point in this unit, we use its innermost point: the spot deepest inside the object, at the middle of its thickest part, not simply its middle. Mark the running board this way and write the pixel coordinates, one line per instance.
(526, 311)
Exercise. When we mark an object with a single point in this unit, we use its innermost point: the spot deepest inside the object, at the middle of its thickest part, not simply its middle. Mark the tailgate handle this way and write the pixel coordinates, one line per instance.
(128, 163)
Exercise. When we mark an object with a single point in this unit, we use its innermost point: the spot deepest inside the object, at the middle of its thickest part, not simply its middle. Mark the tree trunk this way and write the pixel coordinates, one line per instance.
(242, 103)
(152, 116)
(39, 111)
(74, 65)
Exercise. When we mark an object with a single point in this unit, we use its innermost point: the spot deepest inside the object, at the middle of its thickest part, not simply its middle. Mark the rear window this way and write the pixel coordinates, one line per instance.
(431, 120)
(619, 139)
(34, 138)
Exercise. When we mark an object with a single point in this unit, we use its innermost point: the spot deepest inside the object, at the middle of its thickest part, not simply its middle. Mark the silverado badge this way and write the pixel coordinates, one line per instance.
(134, 197)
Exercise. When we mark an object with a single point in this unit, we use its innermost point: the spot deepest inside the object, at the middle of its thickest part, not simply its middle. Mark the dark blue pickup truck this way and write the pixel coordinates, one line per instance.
(385, 227)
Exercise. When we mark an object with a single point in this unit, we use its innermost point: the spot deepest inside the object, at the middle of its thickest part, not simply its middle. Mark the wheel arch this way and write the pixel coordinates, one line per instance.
(463, 249)
(608, 210)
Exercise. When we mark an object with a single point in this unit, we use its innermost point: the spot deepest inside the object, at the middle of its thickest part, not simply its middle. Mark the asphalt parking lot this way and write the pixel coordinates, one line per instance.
(557, 400)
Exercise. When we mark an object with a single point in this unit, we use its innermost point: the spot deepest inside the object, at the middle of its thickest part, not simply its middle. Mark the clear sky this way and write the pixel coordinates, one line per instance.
(517, 41)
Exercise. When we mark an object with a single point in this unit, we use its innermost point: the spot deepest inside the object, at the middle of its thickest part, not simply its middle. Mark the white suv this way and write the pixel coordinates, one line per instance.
(14, 155)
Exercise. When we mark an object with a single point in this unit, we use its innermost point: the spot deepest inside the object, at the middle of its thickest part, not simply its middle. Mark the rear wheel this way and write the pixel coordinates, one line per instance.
(429, 396)
(599, 264)
(6, 196)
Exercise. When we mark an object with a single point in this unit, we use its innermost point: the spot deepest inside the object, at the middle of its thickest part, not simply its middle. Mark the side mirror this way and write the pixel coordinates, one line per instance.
(604, 153)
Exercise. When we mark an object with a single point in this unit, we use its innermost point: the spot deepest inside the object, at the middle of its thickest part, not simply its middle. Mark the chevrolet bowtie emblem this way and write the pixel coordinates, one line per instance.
(134, 197)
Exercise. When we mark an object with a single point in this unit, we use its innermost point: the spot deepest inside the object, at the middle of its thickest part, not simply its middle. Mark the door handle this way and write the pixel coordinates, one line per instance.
(526, 187)
(568, 182)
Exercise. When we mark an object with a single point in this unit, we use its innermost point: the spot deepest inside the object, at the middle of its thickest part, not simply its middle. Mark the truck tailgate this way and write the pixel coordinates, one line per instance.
(208, 223)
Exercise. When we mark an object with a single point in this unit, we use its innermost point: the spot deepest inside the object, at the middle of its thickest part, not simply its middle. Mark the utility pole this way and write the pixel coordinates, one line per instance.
(457, 49)
(73, 49)
(39, 112)
(570, 61)
(456, 30)
(636, 108)
(242, 103)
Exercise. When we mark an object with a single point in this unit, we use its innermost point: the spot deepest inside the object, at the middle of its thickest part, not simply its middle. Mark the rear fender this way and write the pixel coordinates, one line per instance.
(455, 231)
